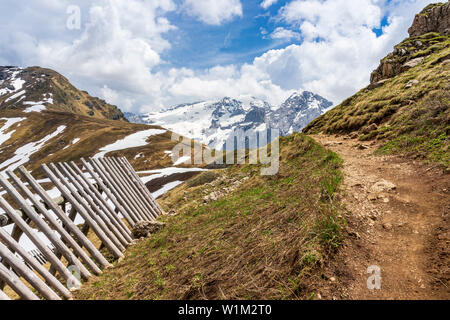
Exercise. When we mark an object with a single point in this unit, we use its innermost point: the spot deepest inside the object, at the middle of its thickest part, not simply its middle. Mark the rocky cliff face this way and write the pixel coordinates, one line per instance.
(434, 18)
(429, 33)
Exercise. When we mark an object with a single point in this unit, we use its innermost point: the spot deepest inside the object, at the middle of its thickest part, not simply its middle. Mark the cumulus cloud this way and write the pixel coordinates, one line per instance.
(214, 12)
(118, 53)
(282, 33)
(267, 3)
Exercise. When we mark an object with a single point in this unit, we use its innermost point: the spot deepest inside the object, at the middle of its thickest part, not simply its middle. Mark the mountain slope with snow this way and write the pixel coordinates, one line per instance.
(213, 122)
(44, 118)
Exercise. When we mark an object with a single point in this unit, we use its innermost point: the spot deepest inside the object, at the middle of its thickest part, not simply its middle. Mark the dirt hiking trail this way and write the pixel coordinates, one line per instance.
(397, 213)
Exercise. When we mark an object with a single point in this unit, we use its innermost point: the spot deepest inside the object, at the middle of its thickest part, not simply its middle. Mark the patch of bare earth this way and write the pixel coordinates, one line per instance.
(397, 220)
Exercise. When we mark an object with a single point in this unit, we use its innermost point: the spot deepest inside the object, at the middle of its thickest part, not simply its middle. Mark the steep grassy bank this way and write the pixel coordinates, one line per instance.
(409, 112)
(238, 235)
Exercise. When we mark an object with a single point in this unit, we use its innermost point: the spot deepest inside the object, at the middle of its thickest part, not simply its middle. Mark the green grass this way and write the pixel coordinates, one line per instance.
(413, 121)
(264, 240)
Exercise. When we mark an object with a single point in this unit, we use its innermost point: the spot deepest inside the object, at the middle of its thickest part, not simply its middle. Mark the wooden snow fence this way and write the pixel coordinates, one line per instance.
(108, 195)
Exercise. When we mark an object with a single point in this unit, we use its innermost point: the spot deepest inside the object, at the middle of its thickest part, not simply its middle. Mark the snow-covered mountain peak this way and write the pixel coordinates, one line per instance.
(212, 122)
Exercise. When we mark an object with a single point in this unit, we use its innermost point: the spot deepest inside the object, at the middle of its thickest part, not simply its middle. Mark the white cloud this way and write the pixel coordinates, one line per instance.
(214, 12)
(118, 53)
(267, 3)
(282, 33)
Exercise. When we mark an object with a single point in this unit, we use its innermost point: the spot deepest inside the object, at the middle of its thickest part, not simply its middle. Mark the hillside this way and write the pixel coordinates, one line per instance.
(406, 106)
(34, 86)
(213, 122)
(313, 230)
(44, 118)
(235, 234)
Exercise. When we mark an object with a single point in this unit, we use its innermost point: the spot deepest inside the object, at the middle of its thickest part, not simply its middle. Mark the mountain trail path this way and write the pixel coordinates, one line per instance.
(397, 220)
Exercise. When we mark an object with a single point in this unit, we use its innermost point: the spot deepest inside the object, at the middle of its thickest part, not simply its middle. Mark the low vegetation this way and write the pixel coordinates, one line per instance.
(410, 110)
(264, 239)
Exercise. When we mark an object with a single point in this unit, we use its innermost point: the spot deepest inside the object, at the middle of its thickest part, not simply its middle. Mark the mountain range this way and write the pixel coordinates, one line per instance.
(213, 122)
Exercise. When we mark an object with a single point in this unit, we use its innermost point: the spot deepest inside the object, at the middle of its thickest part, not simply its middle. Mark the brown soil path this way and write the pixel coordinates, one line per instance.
(397, 220)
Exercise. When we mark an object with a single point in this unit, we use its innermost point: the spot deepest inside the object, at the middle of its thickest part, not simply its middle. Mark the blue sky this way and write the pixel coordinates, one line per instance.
(144, 55)
(197, 45)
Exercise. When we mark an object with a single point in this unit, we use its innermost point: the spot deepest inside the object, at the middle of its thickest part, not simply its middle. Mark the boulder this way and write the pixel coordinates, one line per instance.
(143, 229)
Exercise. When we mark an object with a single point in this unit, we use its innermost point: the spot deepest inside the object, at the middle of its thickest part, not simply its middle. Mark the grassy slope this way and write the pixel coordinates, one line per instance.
(262, 240)
(411, 121)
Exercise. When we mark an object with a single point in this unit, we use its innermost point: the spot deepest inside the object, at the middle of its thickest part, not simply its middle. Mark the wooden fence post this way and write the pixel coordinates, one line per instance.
(115, 188)
(138, 187)
(44, 228)
(121, 186)
(102, 220)
(68, 223)
(27, 274)
(150, 213)
(82, 208)
(16, 284)
(115, 200)
(150, 196)
(38, 242)
(101, 203)
(52, 221)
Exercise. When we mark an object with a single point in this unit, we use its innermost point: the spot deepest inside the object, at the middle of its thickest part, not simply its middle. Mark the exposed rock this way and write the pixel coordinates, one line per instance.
(143, 229)
(411, 83)
(383, 186)
(369, 128)
(412, 63)
(434, 18)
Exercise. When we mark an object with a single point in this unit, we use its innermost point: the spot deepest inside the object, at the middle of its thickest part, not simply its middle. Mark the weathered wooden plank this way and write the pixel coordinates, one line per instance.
(104, 205)
(43, 226)
(143, 192)
(3, 296)
(117, 203)
(149, 211)
(130, 187)
(144, 187)
(20, 267)
(102, 219)
(59, 228)
(82, 207)
(119, 188)
(67, 221)
(16, 284)
(111, 183)
(123, 187)
(38, 242)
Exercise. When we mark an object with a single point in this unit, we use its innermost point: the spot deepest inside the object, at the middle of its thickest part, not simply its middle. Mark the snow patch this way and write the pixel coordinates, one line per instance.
(35, 108)
(9, 123)
(23, 154)
(134, 140)
(166, 188)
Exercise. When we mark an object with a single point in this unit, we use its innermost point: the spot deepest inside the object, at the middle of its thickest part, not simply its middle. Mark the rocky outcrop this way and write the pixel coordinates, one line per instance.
(434, 18)
(430, 28)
